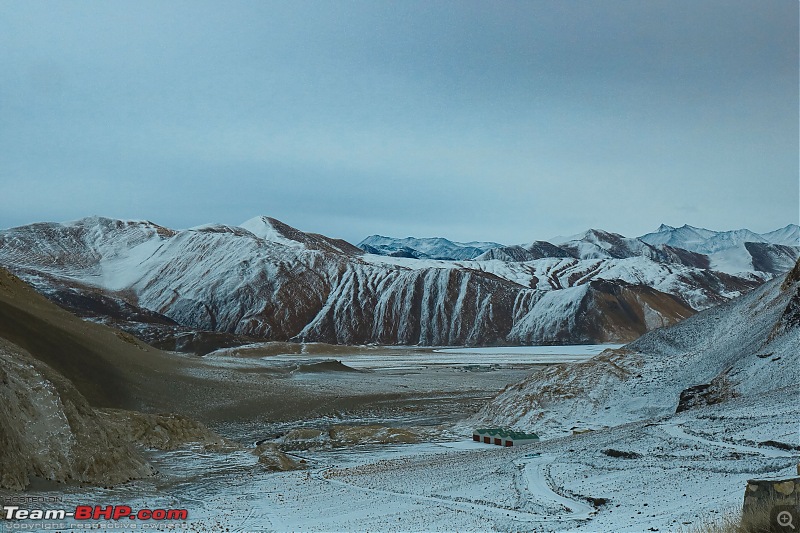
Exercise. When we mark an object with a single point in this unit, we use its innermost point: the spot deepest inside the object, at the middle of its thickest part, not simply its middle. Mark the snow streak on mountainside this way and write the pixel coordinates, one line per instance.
(748, 346)
(699, 288)
(267, 280)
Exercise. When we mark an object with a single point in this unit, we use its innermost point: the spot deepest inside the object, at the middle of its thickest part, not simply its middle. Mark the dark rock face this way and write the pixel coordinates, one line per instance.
(790, 319)
(537, 250)
(686, 257)
(719, 390)
(772, 258)
(619, 310)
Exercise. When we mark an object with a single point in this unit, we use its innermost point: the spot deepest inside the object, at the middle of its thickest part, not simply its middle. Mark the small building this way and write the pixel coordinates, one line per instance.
(503, 437)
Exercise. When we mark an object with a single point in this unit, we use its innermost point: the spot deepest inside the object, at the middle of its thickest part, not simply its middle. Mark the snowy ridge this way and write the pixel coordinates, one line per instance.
(733, 252)
(787, 236)
(270, 229)
(729, 252)
(426, 248)
(708, 241)
(700, 288)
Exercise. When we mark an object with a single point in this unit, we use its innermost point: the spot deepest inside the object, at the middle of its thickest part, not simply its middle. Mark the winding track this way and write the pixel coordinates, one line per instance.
(676, 430)
(537, 488)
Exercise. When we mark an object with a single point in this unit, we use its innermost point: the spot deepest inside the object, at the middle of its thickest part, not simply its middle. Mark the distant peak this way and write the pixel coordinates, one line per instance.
(110, 224)
(664, 227)
(263, 220)
(257, 220)
(601, 234)
(272, 229)
(789, 227)
(97, 219)
(696, 228)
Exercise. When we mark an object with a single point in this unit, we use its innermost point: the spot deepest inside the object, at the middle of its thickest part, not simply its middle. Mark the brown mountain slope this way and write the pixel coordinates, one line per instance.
(50, 428)
(619, 312)
(109, 367)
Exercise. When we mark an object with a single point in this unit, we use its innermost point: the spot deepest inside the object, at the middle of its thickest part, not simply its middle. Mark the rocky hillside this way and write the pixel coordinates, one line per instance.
(77, 399)
(49, 431)
(217, 285)
(748, 346)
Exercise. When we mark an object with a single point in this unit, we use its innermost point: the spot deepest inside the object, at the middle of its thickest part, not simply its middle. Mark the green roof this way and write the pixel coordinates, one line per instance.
(507, 434)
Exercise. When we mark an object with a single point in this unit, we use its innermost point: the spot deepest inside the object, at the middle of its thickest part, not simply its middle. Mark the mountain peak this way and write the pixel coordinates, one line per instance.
(788, 235)
(272, 229)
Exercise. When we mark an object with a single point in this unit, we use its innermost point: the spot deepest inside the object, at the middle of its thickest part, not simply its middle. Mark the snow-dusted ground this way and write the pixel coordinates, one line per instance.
(541, 273)
(397, 386)
(686, 469)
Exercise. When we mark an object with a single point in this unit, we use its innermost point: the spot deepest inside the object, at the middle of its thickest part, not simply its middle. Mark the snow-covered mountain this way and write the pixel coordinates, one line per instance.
(267, 280)
(734, 251)
(786, 236)
(426, 248)
(748, 346)
(526, 252)
(708, 241)
(686, 237)
(599, 244)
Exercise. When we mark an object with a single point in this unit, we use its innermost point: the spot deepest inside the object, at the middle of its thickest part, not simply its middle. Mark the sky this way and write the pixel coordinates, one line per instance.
(501, 121)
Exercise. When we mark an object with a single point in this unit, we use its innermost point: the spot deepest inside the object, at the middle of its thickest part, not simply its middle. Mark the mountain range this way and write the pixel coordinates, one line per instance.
(427, 248)
(727, 251)
(217, 285)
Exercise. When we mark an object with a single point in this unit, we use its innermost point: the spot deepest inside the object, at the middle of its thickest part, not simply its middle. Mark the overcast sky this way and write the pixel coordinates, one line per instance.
(504, 121)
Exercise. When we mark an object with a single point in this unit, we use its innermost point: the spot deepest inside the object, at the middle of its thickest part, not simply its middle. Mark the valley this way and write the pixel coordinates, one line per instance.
(281, 433)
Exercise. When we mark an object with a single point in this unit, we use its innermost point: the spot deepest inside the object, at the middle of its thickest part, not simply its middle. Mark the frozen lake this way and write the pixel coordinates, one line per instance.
(416, 358)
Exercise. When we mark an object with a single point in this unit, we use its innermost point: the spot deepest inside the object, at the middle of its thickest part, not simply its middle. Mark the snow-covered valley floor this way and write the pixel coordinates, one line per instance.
(673, 472)
(398, 386)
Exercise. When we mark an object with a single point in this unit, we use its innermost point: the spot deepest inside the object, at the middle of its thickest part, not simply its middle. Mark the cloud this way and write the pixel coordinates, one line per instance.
(504, 122)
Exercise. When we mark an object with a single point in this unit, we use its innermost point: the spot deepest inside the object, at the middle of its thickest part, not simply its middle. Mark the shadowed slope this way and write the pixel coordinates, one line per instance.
(109, 367)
